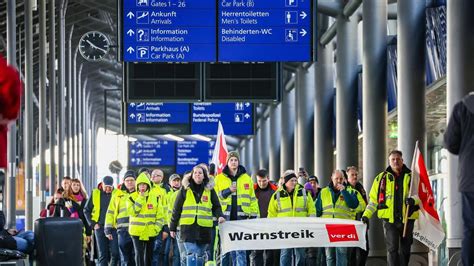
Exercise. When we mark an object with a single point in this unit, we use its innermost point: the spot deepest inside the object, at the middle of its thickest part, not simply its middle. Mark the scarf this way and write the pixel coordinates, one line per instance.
(77, 197)
(381, 199)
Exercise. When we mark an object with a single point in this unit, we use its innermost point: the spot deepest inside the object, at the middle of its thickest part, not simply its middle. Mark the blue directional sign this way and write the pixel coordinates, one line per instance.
(184, 118)
(152, 153)
(236, 118)
(157, 113)
(264, 30)
(169, 30)
(191, 153)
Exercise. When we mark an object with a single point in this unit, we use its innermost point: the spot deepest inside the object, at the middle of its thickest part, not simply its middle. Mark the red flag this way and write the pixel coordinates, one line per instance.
(10, 100)
(219, 155)
(428, 229)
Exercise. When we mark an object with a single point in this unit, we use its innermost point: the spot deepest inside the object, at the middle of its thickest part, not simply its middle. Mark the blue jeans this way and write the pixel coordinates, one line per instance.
(171, 242)
(108, 249)
(127, 255)
(25, 241)
(195, 253)
(467, 249)
(182, 250)
(286, 256)
(239, 258)
(158, 249)
(336, 256)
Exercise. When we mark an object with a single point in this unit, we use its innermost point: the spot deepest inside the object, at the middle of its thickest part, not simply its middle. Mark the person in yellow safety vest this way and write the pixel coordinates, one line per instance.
(235, 190)
(195, 206)
(146, 219)
(171, 202)
(117, 219)
(389, 197)
(291, 200)
(95, 212)
(358, 256)
(162, 189)
(337, 200)
(175, 185)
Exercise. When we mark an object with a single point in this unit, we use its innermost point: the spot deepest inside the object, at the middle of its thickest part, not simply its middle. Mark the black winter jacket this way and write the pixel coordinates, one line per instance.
(104, 205)
(194, 233)
(459, 140)
(6, 240)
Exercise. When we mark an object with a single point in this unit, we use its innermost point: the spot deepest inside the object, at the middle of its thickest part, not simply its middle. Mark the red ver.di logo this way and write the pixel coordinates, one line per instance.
(342, 232)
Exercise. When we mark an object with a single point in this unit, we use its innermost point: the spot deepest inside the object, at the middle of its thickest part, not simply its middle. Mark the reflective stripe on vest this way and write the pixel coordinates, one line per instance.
(146, 222)
(337, 210)
(244, 199)
(290, 207)
(201, 211)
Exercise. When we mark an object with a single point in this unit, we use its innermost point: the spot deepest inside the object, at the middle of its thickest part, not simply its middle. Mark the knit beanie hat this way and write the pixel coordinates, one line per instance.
(232, 154)
(173, 177)
(108, 181)
(130, 173)
(313, 177)
(288, 177)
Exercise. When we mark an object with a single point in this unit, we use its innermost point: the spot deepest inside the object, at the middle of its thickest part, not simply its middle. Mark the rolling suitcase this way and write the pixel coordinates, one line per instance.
(59, 241)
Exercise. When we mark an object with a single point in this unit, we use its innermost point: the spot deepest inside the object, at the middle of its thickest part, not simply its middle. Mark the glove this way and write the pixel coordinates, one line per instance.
(410, 202)
(365, 220)
(412, 210)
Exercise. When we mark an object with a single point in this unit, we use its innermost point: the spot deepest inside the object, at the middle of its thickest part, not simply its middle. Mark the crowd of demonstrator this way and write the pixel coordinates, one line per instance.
(146, 221)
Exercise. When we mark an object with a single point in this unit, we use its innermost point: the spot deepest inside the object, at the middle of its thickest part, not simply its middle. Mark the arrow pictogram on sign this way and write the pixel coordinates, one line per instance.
(303, 15)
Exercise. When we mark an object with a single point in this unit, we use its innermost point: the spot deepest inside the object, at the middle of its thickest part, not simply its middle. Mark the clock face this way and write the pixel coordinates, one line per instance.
(94, 45)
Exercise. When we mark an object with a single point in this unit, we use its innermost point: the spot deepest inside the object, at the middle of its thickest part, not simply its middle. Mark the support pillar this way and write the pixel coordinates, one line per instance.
(460, 81)
(61, 88)
(94, 149)
(42, 103)
(275, 142)
(69, 104)
(264, 138)
(304, 141)
(28, 119)
(287, 131)
(84, 131)
(249, 151)
(374, 109)
(411, 88)
(323, 111)
(256, 152)
(12, 128)
(346, 92)
(243, 152)
(52, 90)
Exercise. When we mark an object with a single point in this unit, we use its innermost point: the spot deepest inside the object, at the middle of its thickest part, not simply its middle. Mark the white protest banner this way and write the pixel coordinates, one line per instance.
(291, 232)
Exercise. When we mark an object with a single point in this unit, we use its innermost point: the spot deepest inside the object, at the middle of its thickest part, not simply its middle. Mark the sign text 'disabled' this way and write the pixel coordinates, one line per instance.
(217, 30)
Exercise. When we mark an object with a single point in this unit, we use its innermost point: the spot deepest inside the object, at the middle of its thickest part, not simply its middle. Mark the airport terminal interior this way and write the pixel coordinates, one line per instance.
(316, 85)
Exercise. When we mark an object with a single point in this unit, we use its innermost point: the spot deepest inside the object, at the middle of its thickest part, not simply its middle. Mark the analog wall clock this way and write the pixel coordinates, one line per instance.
(93, 45)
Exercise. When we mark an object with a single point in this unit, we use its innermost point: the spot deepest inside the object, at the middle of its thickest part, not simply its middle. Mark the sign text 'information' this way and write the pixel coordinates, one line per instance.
(217, 30)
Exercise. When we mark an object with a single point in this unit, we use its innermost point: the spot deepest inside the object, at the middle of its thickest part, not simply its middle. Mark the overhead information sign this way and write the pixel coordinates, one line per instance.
(152, 153)
(169, 30)
(191, 153)
(183, 118)
(158, 113)
(236, 118)
(217, 30)
(264, 30)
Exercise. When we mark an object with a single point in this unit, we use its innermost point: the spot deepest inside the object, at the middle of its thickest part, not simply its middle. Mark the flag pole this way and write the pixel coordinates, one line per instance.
(405, 220)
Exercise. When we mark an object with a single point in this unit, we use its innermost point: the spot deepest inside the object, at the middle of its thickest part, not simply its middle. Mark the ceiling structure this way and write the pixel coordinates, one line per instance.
(87, 15)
